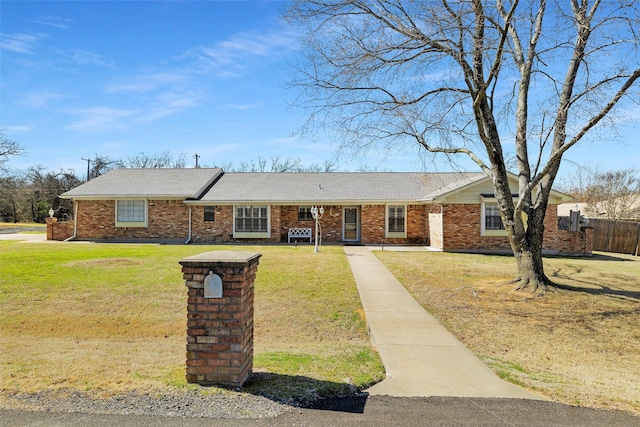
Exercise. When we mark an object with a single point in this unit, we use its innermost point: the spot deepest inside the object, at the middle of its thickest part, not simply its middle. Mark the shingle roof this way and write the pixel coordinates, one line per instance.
(178, 183)
(334, 187)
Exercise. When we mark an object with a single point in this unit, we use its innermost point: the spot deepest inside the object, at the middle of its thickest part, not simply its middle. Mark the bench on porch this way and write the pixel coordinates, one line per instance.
(300, 233)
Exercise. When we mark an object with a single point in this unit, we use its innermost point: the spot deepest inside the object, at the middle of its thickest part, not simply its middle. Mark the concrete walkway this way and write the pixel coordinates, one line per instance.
(421, 357)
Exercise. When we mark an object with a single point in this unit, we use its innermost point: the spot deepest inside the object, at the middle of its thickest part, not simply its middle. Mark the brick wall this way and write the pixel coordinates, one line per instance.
(59, 230)
(462, 231)
(217, 231)
(461, 226)
(168, 219)
(373, 225)
(331, 223)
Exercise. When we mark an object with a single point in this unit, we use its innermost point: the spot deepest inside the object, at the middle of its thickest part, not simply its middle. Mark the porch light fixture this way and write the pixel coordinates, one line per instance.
(317, 215)
(51, 212)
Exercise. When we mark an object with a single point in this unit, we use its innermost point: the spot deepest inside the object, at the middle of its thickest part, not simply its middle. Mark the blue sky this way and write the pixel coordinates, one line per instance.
(86, 78)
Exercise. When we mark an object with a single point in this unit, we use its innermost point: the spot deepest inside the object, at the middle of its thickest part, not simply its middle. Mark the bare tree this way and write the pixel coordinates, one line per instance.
(275, 164)
(326, 166)
(100, 165)
(8, 148)
(491, 80)
(43, 189)
(158, 160)
(10, 197)
(614, 194)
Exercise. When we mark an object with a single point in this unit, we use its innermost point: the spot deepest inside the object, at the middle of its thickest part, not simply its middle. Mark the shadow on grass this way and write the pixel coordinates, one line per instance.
(601, 290)
(603, 257)
(591, 287)
(305, 392)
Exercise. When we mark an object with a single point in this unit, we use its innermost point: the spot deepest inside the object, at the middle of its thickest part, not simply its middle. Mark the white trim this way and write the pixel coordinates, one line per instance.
(483, 230)
(132, 224)
(252, 235)
(396, 234)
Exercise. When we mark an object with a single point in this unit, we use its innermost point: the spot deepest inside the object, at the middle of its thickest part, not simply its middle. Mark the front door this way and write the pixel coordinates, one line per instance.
(351, 224)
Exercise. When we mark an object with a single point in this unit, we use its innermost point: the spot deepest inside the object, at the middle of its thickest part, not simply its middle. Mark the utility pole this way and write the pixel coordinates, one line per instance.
(88, 165)
(197, 157)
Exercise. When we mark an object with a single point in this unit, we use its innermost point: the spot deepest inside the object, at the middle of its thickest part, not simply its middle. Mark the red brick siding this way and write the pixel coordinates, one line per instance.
(331, 223)
(217, 231)
(462, 231)
(373, 225)
(167, 219)
(220, 330)
(59, 230)
(372, 220)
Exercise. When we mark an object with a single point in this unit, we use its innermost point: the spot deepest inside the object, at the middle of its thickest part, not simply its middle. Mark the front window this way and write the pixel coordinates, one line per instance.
(209, 213)
(131, 213)
(492, 220)
(251, 219)
(304, 213)
(396, 221)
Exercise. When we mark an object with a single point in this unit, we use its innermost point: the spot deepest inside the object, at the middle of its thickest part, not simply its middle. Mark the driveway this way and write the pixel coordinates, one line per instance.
(4, 235)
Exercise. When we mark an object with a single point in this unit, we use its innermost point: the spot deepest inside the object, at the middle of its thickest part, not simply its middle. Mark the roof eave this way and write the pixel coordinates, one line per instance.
(300, 202)
(126, 196)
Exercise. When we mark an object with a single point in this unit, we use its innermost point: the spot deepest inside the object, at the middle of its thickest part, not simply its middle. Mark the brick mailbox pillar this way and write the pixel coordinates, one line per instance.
(220, 316)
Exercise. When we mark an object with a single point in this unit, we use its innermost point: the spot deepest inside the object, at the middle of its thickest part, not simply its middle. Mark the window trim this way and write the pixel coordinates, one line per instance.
(212, 211)
(395, 234)
(490, 198)
(132, 224)
(306, 208)
(252, 234)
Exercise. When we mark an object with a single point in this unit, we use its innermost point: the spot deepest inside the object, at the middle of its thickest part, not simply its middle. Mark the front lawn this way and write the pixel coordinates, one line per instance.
(579, 345)
(110, 318)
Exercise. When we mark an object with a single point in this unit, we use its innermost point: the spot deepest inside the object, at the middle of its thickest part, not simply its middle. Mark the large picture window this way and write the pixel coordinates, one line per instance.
(396, 221)
(251, 221)
(131, 213)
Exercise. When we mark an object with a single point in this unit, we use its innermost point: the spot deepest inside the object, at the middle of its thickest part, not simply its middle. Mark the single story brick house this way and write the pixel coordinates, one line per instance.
(447, 211)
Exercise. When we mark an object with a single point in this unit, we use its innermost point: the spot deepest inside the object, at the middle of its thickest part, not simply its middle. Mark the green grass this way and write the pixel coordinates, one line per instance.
(110, 318)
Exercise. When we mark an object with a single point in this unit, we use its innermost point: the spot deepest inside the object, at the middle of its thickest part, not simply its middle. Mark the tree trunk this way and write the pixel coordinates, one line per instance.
(526, 243)
(531, 271)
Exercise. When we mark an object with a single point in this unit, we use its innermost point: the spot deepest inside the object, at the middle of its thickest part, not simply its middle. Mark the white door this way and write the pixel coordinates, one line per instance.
(351, 224)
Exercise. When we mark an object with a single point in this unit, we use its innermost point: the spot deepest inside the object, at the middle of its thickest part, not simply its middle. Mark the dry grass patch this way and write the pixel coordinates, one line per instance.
(579, 345)
(111, 319)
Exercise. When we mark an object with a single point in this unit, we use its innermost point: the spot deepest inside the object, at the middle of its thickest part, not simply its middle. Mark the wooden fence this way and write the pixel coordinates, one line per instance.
(616, 236)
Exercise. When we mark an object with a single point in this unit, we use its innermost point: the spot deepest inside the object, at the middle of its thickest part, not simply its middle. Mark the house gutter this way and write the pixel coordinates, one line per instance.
(442, 226)
(189, 237)
(75, 221)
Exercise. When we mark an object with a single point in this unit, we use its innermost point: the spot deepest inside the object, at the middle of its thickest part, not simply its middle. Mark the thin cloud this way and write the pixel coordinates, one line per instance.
(171, 103)
(18, 128)
(84, 57)
(243, 106)
(20, 43)
(100, 118)
(147, 82)
(53, 21)
(237, 51)
(38, 99)
(103, 118)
